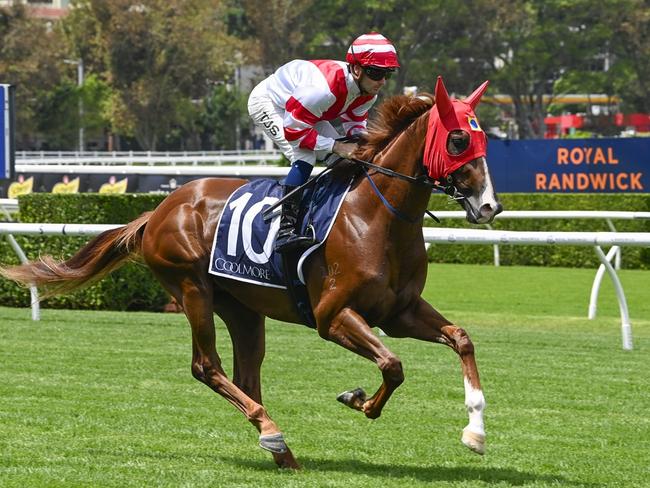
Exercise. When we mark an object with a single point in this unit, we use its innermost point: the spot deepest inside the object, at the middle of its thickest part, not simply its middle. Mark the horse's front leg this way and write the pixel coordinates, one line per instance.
(351, 331)
(421, 321)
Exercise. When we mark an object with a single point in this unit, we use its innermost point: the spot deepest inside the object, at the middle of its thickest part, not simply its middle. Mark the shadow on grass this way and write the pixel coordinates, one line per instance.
(386, 472)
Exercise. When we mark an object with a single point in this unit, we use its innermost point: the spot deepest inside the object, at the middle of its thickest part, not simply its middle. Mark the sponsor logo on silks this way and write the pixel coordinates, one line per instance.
(473, 123)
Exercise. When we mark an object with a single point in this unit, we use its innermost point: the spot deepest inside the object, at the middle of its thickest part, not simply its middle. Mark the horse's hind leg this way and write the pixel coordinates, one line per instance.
(425, 323)
(206, 367)
(246, 329)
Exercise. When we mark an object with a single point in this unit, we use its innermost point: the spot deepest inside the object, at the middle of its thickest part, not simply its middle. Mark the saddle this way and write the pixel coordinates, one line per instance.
(243, 244)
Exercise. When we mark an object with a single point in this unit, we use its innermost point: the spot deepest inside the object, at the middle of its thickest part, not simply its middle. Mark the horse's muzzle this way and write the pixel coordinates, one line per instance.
(487, 213)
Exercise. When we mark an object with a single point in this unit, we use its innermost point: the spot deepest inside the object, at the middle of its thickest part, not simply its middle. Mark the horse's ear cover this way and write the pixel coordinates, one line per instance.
(448, 115)
(475, 97)
(444, 104)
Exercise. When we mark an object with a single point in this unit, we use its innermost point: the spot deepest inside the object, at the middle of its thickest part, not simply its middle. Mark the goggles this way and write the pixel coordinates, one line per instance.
(376, 74)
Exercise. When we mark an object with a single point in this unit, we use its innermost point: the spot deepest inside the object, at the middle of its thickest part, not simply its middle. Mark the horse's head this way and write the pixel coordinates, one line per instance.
(455, 151)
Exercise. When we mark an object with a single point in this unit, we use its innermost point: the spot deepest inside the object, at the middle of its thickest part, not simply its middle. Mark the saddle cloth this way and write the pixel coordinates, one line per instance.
(243, 243)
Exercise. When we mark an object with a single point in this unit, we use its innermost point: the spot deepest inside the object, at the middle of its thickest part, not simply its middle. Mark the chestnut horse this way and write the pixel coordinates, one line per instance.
(377, 248)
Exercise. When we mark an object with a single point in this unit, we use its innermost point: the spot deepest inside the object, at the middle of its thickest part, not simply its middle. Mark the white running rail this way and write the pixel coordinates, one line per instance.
(595, 239)
(45, 160)
(606, 215)
(11, 228)
(431, 235)
(8, 204)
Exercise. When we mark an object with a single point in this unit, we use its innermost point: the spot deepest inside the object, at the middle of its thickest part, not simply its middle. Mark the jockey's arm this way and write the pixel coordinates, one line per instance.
(355, 121)
(302, 112)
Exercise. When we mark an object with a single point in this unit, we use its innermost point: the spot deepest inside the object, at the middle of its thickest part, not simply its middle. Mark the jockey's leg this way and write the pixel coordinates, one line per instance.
(269, 117)
(289, 237)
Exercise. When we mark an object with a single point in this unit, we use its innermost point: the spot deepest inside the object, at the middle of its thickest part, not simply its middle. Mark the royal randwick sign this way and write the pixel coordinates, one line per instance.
(571, 165)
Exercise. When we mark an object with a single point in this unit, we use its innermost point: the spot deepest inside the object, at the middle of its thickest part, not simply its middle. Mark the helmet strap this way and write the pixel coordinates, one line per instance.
(353, 55)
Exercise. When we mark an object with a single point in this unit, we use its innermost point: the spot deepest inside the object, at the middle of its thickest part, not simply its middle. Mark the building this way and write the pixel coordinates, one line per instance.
(623, 124)
(52, 10)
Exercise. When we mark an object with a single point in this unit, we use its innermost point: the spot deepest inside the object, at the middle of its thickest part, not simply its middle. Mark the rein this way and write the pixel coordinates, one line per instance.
(420, 180)
(449, 189)
(399, 214)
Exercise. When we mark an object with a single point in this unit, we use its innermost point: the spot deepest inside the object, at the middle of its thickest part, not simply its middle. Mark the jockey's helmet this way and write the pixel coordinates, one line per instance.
(373, 50)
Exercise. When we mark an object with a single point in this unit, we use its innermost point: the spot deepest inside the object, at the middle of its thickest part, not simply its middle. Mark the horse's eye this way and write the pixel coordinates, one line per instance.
(457, 142)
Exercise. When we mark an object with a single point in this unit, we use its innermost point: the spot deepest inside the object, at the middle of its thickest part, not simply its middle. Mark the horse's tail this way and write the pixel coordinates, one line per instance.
(103, 254)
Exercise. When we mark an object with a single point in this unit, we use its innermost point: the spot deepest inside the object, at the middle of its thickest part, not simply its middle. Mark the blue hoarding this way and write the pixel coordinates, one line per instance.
(570, 165)
(7, 151)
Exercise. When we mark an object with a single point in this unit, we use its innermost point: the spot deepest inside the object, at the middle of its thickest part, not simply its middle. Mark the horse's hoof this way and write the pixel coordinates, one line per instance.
(274, 443)
(286, 460)
(474, 441)
(353, 399)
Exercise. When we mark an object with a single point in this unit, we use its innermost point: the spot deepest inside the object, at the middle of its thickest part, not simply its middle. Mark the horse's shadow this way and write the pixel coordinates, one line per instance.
(385, 472)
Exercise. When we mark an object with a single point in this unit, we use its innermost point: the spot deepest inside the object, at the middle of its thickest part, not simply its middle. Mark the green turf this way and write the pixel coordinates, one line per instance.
(106, 399)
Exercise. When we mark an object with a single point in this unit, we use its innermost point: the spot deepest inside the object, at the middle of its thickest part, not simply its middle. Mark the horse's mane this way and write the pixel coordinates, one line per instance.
(393, 116)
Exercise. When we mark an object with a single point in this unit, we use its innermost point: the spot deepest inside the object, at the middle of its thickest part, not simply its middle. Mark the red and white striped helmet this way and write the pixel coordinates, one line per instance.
(373, 49)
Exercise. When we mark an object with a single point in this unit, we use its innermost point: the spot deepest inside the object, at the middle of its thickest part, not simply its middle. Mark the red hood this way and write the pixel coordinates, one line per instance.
(448, 115)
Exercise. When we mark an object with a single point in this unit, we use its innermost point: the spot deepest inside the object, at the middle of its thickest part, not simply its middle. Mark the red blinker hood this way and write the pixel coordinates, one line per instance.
(445, 116)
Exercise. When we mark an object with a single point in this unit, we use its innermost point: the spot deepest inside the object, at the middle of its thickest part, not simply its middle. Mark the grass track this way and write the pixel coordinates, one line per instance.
(107, 399)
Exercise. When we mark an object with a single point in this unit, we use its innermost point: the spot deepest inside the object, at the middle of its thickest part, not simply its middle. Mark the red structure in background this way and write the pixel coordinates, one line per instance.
(641, 122)
(562, 125)
(47, 12)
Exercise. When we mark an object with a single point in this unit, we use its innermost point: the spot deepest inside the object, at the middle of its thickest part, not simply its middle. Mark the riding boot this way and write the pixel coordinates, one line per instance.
(289, 237)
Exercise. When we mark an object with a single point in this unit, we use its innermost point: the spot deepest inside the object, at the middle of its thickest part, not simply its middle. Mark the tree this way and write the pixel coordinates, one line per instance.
(432, 38)
(156, 57)
(58, 119)
(537, 42)
(224, 113)
(629, 23)
(523, 47)
(31, 60)
(279, 27)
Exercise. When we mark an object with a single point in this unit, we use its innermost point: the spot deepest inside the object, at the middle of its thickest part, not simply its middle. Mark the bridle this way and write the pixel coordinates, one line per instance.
(449, 188)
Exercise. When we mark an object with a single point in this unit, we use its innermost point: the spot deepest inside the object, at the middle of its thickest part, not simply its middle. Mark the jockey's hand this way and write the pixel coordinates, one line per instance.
(344, 149)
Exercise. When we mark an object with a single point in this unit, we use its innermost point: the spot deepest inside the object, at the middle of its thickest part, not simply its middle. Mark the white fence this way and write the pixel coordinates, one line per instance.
(595, 239)
(431, 235)
(607, 215)
(225, 170)
(8, 204)
(226, 163)
(43, 161)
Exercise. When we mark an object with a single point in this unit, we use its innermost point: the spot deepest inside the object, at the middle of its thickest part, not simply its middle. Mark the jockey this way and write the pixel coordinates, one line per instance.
(294, 105)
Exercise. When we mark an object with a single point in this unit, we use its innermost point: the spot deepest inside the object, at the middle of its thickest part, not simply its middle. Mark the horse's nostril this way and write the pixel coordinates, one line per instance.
(487, 210)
